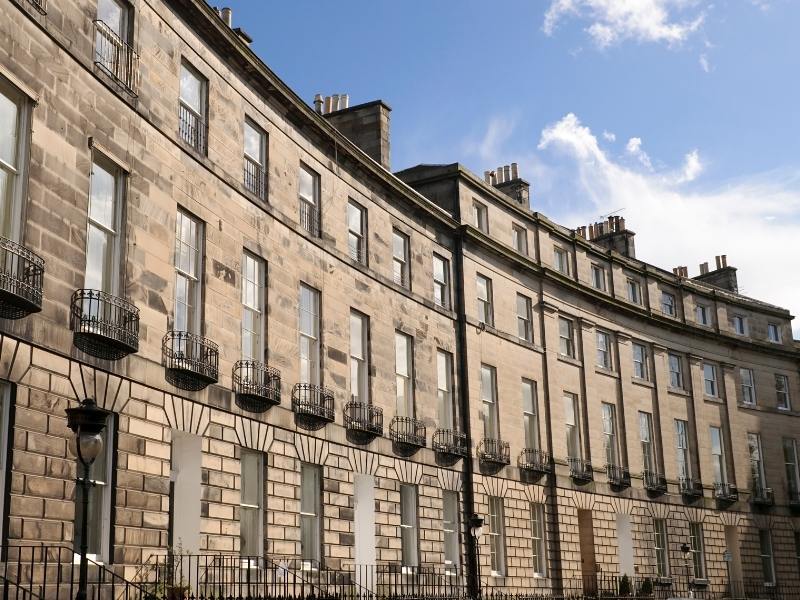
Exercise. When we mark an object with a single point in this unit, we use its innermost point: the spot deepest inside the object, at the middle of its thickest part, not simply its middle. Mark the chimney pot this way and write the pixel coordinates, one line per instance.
(622, 223)
(486, 176)
(514, 171)
(335, 102)
(318, 103)
(506, 173)
(718, 261)
(328, 104)
(227, 16)
(704, 268)
(724, 259)
(345, 100)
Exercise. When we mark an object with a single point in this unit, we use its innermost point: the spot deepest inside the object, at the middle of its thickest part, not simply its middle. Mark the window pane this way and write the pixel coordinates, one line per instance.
(191, 89)
(9, 124)
(253, 142)
(306, 184)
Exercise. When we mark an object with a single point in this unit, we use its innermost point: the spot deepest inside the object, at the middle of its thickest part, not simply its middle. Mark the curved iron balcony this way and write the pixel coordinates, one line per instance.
(191, 362)
(449, 443)
(312, 406)
(618, 477)
(21, 280)
(761, 495)
(725, 492)
(408, 432)
(494, 452)
(364, 422)
(654, 482)
(257, 387)
(103, 325)
(690, 487)
(580, 469)
(534, 460)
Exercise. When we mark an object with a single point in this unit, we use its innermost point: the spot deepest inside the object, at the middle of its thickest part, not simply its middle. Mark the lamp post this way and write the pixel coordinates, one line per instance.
(476, 529)
(687, 553)
(87, 423)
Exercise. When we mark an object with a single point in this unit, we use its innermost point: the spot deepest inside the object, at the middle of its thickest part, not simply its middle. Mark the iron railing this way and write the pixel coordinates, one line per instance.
(618, 476)
(494, 452)
(21, 280)
(449, 443)
(794, 498)
(396, 581)
(191, 362)
(534, 460)
(580, 469)
(103, 325)
(257, 386)
(312, 406)
(690, 487)
(725, 492)
(364, 422)
(192, 128)
(654, 482)
(309, 218)
(114, 56)
(408, 432)
(761, 495)
(39, 5)
(254, 177)
(401, 277)
(357, 249)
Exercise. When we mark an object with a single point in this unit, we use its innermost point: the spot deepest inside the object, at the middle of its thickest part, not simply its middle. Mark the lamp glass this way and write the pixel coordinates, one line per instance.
(90, 447)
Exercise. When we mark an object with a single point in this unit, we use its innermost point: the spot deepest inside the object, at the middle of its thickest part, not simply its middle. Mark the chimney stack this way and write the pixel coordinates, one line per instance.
(366, 125)
(723, 277)
(612, 234)
(507, 180)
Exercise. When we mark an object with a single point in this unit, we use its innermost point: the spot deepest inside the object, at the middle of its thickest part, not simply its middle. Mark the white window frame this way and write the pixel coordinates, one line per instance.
(676, 379)
(485, 303)
(710, 380)
(401, 267)
(739, 324)
(641, 361)
(668, 304)
(441, 281)
(702, 314)
(497, 536)
(309, 338)
(608, 413)
(357, 233)
(409, 526)
(634, 289)
(519, 235)
(767, 556)
(404, 374)
(756, 460)
(311, 483)
(791, 466)
(647, 441)
(774, 333)
(530, 414)
(201, 111)
(604, 359)
(683, 454)
(451, 527)
(572, 421)
(598, 275)
(782, 399)
(256, 476)
(253, 310)
(11, 223)
(748, 386)
(259, 160)
(491, 414)
(480, 216)
(566, 337)
(661, 547)
(112, 232)
(561, 260)
(697, 547)
(359, 357)
(718, 459)
(189, 273)
(538, 539)
(444, 390)
(524, 318)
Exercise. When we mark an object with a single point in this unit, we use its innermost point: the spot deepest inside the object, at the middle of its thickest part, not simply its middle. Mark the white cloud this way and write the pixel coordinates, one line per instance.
(615, 21)
(488, 146)
(704, 64)
(634, 148)
(747, 219)
(609, 136)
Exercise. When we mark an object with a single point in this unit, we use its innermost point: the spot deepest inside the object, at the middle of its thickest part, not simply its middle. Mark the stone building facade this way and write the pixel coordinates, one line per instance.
(304, 355)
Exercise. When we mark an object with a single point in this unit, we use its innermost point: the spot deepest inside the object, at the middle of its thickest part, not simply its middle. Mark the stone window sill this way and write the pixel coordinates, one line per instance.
(606, 372)
(678, 391)
(642, 382)
(569, 360)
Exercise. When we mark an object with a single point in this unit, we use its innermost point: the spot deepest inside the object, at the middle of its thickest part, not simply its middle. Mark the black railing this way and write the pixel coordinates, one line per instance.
(392, 581)
(580, 469)
(761, 495)
(690, 487)
(39, 5)
(401, 277)
(103, 325)
(408, 432)
(309, 218)
(794, 498)
(192, 128)
(494, 452)
(21, 280)
(535, 461)
(357, 250)
(618, 476)
(114, 56)
(191, 362)
(257, 386)
(254, 177)
(725, 492)
(654, 482)
(364, 422)
(449, 443)
(312, 406)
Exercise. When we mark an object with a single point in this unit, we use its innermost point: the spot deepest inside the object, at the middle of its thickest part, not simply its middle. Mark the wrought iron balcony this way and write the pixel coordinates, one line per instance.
(309, 218)
(494, 452)
(256, 386)
(21, 279)
(690, 487)
(312, 406)
(580, 470)
(254, 177)
(39, 5)
(114, 56)
(725, 492)
(191, 362)
(449, 443)
(364, 422)
(407, 432)
(192, 128)
(760, 495)
(536, 461)
(654, 482)
(618, 476)
(103, 325)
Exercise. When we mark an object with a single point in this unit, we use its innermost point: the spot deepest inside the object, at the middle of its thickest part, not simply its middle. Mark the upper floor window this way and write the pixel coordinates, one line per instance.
(773, 332)
(441, 281)
(480, 216)
(103, 244)
(697, 548)
(646, 439)
(484, 298)
(409, 527)
(748, 386)
(675, 371)
(609, 416)
(251, 505)
(14, 135)
(739, 324)
(444, 389)
(357, 232)
(561, 260)
(566, 337)
(308, 194)
(641, 368)
(538, 545)
(598, 277)
(791, 468)
(718, 462)
(401, 270)
(255, 159)
(603, 349)
(309, 335)
(404, 374)
(682, 452)
(193, 108)
(519, 237)
(112, 47)
(491, 425)
(572, 423)
(661, 547)
(497, 536)
(702, 314)
(359, 357)
(668, 304)
(634, 289)
(188, 273)
(524, 318)
(311, 512)
(756, 461)
(782, 392)
(710, 380)
(530, 419)
(253, 278)
(451, 528)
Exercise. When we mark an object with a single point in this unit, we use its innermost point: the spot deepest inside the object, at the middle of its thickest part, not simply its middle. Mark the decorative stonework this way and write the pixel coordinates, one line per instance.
(408, 472)
(495, 486)
(185, 415)
(253, 434)
(449, 480)
(311, 449)
(365, 463)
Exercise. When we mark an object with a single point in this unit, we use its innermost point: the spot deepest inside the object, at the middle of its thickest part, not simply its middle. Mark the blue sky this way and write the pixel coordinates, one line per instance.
(683, 113)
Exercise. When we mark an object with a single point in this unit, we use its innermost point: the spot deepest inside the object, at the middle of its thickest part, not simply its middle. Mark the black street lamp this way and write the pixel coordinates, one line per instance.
(476, 529)
(687, 553)
(87, 423)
